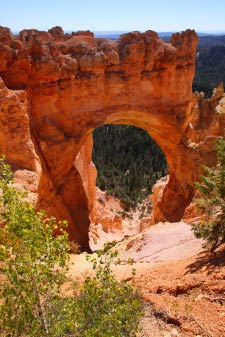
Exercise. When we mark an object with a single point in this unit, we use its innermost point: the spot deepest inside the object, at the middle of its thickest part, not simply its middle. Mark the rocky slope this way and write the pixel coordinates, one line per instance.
(182, 286)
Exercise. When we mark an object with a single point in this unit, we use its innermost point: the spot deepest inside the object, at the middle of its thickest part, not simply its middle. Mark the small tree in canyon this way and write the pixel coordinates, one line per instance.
(211, 203)
(107, 307)
(30, 280)
(33, 265)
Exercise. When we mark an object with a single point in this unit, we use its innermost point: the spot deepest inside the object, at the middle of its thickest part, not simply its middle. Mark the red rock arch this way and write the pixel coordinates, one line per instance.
(72, 84)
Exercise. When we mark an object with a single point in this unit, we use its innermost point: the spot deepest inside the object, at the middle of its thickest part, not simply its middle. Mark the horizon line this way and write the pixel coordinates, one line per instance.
(117, 31)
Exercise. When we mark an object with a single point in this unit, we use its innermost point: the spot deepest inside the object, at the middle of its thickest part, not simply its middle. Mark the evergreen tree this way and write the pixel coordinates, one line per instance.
(212, 201)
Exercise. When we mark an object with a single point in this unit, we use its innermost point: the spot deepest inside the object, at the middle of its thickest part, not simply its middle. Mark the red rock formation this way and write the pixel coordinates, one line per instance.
(15, 135)
(73, 83)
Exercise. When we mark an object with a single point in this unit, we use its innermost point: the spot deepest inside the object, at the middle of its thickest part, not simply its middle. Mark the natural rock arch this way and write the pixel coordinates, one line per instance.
(64, 86)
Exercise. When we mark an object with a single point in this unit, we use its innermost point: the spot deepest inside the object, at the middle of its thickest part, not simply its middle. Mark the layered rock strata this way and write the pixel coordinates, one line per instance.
(57, 88)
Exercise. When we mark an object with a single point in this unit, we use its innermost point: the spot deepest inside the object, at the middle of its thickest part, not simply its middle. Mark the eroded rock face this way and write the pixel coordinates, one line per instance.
(57, 88)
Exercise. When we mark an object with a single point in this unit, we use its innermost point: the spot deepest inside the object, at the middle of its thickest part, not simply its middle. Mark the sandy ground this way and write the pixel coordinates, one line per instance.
(182, 286)
(163, 242)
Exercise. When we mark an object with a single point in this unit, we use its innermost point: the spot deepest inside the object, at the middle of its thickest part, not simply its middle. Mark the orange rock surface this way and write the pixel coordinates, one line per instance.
(57, 88)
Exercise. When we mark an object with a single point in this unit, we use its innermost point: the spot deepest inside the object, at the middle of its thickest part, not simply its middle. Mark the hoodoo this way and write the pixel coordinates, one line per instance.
(57, 88)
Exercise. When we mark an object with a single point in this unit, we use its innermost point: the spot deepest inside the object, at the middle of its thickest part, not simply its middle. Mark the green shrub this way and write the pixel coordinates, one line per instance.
(33, 265)
(28, 256)
(212, 201)
(106, 307)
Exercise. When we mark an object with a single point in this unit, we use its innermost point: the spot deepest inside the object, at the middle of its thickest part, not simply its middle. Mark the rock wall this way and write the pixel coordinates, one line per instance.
(57, 88)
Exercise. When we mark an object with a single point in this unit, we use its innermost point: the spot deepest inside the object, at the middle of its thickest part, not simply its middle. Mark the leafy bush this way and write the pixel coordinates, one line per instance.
(33, 265)
(106, 307)
(212, 201)
(28, 256)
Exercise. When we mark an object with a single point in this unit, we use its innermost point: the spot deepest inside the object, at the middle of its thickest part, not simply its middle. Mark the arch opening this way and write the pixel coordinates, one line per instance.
(73, 176)
(128, 163)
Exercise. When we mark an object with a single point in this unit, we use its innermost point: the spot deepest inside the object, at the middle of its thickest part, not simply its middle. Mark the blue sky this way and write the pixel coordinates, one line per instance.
(158, 15)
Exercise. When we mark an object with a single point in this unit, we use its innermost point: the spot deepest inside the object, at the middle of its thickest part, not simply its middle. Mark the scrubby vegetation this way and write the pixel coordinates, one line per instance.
(33, 265)
(107, 307)
(211, 203)
(128, 162)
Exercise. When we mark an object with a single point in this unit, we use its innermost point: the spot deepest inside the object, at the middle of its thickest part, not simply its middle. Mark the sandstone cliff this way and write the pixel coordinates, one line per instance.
(57, 88)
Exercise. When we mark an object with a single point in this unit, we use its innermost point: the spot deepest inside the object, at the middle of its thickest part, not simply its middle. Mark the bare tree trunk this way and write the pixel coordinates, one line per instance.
(40, 310)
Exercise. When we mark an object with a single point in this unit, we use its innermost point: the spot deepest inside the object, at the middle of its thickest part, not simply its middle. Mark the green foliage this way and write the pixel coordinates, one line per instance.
(212, 201)
(33, 263)
(29, 255)
(128, 162)
(107, 307)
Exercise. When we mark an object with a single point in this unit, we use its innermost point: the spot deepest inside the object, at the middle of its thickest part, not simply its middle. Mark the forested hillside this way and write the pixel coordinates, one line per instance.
(128, 162)
(210, 69)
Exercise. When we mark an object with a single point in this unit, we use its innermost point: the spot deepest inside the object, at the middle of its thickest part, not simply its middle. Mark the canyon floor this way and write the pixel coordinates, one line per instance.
(182, 285)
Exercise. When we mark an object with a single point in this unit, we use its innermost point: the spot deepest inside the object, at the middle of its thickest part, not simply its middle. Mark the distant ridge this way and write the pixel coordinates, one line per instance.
(205, 39)
(117, 33)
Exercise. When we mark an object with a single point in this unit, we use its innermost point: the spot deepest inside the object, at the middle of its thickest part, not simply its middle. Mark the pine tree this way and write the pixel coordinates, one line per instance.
(211, 203)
